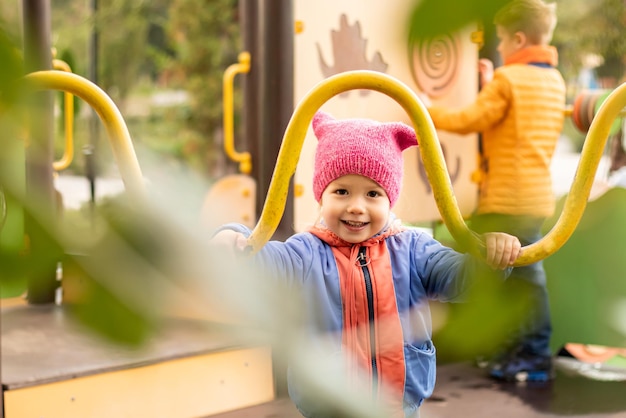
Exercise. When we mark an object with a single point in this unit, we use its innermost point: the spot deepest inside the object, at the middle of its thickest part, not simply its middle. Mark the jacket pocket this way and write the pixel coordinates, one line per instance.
(420, 372)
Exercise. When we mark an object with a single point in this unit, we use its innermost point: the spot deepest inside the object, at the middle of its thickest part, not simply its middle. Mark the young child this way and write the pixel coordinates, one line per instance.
(519, 112)
(367, 278)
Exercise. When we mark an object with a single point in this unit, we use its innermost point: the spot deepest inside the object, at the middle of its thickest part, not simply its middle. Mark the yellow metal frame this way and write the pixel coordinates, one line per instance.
(291, 146)
(433, 160)
(68, 152)
(243, 158)
(116, 128)
(576, 200)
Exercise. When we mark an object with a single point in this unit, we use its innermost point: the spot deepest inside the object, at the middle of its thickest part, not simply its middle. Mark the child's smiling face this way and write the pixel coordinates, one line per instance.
(355, 208)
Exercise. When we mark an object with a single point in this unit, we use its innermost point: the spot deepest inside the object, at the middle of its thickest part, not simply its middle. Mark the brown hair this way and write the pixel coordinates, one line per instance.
(534, 18)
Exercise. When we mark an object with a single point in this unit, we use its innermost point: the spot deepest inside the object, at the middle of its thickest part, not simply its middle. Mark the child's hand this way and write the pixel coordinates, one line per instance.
(502, 249)
(485, 71)
(231, 240)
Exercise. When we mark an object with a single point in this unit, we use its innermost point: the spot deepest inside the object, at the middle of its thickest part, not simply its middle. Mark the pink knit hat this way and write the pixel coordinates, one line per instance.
(360, 146)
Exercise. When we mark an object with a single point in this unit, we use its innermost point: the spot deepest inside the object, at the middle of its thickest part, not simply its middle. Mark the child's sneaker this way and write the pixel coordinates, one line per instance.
(524, 367)
(489, 362)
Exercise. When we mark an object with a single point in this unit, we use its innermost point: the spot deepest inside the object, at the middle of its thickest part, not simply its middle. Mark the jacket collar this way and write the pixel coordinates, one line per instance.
(534, 54)
(322, 232)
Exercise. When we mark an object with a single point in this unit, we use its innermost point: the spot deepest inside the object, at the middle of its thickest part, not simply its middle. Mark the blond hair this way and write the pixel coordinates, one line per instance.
(534, 18)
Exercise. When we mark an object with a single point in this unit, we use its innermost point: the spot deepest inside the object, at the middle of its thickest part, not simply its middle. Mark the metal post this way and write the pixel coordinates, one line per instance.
(249, 18)
(267, 29)
(40, 152)
(94, 122)
(275, 100)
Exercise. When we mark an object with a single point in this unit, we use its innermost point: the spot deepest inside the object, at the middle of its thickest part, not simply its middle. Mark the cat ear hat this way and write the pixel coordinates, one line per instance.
(360, 146)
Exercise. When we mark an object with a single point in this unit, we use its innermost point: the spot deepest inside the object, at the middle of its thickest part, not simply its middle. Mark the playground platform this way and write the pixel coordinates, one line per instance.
(53, 367)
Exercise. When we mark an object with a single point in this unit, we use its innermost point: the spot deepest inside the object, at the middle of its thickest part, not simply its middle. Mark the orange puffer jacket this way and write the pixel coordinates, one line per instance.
(520, 115)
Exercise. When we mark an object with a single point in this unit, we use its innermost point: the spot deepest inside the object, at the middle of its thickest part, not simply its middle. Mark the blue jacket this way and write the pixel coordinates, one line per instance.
(421, 269)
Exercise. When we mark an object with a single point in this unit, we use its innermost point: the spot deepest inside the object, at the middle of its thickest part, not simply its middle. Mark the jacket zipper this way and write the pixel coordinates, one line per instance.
(362, 257)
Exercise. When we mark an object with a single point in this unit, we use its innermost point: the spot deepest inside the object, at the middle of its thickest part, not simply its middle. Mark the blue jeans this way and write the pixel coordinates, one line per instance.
(533, 335)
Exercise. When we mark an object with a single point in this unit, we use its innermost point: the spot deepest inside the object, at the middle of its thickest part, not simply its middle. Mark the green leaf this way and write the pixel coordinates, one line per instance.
(431, 18)
(104, 312)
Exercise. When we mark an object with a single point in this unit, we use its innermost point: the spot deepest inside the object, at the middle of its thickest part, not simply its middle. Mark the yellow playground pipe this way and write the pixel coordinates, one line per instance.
(576, 200)
(433, 160)
(119, 137)
(68, 153)
(291, 146)
(243, 158)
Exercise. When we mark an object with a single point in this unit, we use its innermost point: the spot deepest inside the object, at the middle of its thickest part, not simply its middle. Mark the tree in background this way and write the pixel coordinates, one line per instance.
(597, 28)
(127, 55)
(205, 38)
(131, 42)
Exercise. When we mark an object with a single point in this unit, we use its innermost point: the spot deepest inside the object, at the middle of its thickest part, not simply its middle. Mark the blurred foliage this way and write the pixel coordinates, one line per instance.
(436, 17)
(10, 70)
(12, 265)
(119, 299)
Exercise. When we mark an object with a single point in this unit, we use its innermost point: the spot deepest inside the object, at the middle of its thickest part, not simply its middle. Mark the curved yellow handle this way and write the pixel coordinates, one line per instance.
(243, 158)
(433, 160)
(432, 154)
(116, 128)
(576, 200)
(68, 153)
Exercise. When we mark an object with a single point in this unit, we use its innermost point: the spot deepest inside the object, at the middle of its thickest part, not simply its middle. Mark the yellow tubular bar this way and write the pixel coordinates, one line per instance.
(243, 158)
(68, 153)
(430, 149)
(434, 162)
(120, 140)
(576, 200)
